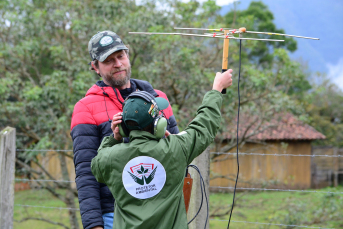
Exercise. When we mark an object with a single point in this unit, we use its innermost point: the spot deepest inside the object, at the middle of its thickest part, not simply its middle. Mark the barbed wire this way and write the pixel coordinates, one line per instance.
(220, 187)
(282, 190)
(271, 224)
(57, 181)
(35, 206)
(218, 153)
(46, 150)
(275, 154)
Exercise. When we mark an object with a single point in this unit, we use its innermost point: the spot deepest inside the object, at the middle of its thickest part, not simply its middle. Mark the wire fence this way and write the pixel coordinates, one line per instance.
(277, 155)
(270, 224)
(217, 153)
(217, 187)
(214, 187)
(235, 221)
(37, 206)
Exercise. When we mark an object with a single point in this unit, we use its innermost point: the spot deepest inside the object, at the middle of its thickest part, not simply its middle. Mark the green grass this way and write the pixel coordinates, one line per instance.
(288, 208)
(40, 198)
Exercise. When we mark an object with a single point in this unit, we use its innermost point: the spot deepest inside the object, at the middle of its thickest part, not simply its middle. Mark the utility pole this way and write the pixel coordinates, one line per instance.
(203, 163)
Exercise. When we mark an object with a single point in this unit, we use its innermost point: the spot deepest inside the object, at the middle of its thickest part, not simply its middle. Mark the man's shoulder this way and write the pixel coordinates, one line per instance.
(161, 94)
(143, 85)
(91, 95)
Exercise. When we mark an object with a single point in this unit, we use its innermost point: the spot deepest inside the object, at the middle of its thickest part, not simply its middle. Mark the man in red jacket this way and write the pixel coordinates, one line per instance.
(91, 122)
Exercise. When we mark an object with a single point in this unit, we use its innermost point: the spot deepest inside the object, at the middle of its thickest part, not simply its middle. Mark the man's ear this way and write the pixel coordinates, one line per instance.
(95, 68)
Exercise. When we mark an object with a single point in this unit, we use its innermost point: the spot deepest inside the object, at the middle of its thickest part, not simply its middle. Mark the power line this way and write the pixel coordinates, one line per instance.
(281, 190)
(272, 224)
(277, 155)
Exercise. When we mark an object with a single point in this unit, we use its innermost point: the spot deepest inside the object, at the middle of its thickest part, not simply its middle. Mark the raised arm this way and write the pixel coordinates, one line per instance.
(203, 128)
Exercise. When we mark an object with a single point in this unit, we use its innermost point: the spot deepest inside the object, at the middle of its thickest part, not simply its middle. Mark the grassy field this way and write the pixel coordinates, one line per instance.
(287, 208)
(40, 198)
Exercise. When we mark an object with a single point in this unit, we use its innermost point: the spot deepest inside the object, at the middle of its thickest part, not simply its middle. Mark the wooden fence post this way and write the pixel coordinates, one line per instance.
(335, 166)
(7, 168)
(203, 163)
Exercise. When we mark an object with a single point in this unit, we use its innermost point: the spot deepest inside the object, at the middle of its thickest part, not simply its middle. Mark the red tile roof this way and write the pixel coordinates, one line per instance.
(282, 127)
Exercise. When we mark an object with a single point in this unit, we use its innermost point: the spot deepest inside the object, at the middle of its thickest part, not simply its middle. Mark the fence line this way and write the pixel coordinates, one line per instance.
(274, 154)
(218, 153)
(271, 224)
(34, 206)
(56, 181)
(280, 190)
(46, 150)
(220, 187)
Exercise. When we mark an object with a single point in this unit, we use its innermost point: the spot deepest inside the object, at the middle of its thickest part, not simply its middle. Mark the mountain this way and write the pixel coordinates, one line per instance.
(310, 18)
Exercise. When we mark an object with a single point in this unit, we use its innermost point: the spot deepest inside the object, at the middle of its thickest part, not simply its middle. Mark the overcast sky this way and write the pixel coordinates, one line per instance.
(219, 2)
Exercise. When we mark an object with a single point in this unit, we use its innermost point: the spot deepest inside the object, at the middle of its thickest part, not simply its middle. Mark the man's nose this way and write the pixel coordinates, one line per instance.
(117, 63)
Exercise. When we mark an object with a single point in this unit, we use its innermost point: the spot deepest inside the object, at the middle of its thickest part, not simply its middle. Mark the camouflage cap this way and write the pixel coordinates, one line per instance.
(103, 44)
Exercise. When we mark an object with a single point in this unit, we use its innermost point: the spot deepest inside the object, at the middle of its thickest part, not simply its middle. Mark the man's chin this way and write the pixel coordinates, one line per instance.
(119, 83)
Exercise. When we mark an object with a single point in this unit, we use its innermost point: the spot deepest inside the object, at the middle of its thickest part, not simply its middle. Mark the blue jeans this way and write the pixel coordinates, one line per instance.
(108, 220)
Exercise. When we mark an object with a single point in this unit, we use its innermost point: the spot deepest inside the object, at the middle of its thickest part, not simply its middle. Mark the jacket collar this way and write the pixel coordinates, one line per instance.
(142, 135)
(141, 85)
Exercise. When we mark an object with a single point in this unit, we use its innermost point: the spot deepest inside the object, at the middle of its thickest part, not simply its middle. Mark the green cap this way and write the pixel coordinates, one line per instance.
(141, 111)
(103, 44)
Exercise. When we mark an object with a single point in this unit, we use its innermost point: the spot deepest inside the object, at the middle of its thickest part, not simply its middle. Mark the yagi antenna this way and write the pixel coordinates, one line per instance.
(243, 30)
(226, 34)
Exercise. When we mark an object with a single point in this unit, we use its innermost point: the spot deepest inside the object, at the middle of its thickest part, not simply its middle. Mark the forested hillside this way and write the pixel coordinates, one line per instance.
(313, 18)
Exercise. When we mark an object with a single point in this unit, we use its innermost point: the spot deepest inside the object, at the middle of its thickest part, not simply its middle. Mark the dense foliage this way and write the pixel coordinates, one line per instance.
(44, 58)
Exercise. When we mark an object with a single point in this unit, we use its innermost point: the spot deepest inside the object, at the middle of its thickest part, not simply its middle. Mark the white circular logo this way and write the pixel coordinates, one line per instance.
(143, 177)
(106, 40)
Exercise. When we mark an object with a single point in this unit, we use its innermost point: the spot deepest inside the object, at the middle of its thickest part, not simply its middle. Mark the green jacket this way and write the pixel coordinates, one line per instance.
(146, 175)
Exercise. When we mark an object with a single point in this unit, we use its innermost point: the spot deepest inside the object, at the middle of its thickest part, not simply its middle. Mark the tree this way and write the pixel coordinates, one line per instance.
(44, 69)
(324, 106)
(257, 17)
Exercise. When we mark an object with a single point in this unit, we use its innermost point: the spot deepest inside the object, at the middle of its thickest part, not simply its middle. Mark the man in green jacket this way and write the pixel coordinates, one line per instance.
(146, 175)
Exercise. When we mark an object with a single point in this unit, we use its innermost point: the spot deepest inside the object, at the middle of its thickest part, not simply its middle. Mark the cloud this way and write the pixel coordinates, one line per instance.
(335, 72)
(225, 2)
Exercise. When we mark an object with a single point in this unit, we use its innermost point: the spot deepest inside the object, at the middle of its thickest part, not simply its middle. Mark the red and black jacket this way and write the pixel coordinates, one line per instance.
(89, 125)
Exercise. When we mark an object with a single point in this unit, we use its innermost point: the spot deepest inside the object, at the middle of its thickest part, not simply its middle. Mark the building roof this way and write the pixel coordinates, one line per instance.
(281, 127)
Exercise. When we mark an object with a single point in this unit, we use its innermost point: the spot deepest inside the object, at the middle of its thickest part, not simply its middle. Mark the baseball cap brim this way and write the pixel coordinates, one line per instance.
(161, 103)
(112, 50)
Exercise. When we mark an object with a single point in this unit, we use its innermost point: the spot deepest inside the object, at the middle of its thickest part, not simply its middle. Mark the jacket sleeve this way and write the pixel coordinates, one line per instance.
(172, 125)
(86, 141)
(100, 160)
(201, 131)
